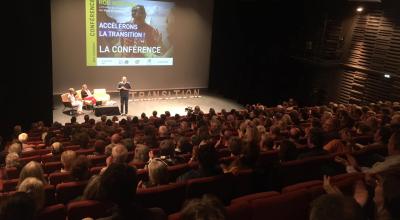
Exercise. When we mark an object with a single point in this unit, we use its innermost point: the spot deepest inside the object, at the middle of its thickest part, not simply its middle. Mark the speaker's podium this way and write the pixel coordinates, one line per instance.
(109, 109)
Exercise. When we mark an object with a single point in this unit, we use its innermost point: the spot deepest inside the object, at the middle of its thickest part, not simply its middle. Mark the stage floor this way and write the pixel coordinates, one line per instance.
(136, 108)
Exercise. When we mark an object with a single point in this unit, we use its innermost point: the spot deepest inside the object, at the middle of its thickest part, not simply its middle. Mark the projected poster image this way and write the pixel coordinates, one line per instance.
(128, 33)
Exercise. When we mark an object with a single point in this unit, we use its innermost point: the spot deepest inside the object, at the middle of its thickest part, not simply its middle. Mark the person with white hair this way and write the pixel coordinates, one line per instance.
(74, 100)
(23, 138)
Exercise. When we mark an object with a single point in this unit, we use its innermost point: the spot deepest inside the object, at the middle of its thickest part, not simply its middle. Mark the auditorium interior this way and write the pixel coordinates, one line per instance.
(282, 110)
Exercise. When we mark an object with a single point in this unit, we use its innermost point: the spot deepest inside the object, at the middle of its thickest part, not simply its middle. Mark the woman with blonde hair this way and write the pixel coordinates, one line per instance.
(35, 188)
(32, 169)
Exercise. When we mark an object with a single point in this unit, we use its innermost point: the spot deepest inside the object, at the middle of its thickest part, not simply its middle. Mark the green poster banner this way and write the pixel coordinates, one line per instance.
(91, 32)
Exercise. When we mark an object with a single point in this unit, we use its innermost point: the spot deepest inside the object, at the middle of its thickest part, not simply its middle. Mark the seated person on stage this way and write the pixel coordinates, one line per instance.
(74, 102)
(87, 95)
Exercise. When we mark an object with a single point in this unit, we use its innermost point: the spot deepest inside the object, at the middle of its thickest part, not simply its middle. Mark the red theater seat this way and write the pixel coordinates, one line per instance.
(52, 167)
(168, 197)
(54, 212)
(303, 185)
(67, 192)
(243, 183)
(249, 198)
(12, 173)
(50, 191)
(87, 208)
(59, 177)
(98, 160)
(9, 185)
(289, 206)
(50, 158)
(220, 186)
(177, 170)
(239, 211)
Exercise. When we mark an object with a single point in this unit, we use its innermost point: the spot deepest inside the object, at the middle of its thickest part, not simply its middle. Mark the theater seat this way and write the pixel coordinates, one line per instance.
(59, 177)
(220, 186)
(289, 206)
(67, 192)
(168, 197)
(87, 208)
(54, 212)
(52, 167)
(239, 211)
(249, 198)
(12, 173)
(303, 185)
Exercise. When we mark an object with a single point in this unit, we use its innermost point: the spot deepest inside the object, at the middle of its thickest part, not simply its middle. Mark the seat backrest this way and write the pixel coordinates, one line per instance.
(54, 212)
(69, 191)
(59, 177)
(86, 208)
(220, 186)
(251, 197)
(286, 206)
(168, 197)
(51, 167)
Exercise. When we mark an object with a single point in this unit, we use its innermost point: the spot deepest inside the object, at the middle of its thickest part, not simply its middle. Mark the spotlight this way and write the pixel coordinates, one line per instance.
(387, 76)
(360, 9)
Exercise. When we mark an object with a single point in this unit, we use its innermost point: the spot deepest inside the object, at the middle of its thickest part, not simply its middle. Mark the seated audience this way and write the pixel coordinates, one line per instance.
(118, 185)
(208, 164)
(158, 174)
(32, 169)
(80, 169)
(67, 158)
(315, 142)
(35, 188)
(23, 139)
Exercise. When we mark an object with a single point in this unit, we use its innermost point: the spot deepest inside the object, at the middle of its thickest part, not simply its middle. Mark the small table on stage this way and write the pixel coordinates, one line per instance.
(107, 109)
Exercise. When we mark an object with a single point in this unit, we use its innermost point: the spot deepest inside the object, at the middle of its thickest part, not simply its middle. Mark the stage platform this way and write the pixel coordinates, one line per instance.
(137, 107)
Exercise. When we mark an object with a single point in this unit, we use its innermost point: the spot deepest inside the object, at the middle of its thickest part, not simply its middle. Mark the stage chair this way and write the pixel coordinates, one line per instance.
(101, 95)
(67, 104)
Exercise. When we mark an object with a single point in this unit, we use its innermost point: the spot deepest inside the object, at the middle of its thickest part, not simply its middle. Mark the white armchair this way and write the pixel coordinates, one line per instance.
(101, 95)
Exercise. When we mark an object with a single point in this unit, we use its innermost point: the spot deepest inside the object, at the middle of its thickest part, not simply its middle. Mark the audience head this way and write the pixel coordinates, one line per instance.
(118, 184)
(19, 206)
(67, 158)
(12, 160)
(15, 148)
(99, 146)
(294, 133)
(167, 148)
(23, 137)
(154, 113)
(35, 188)
(119, 154)
(208, 207)
(80, 168)
(334, 206)
(57, 148)
(235, 145)
(141, 153)
(31, 169)
(115, 138)
(158, 172)
(207, 157)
